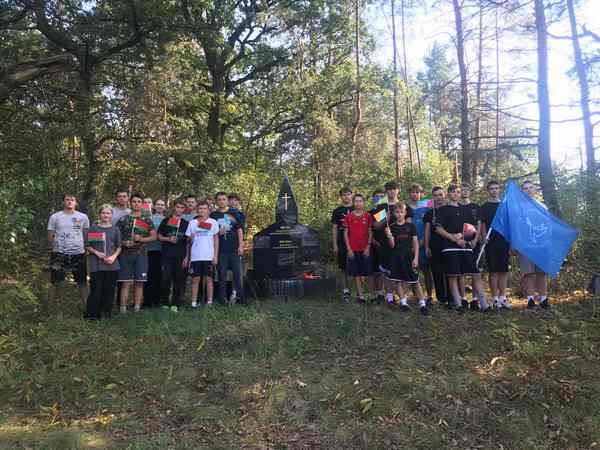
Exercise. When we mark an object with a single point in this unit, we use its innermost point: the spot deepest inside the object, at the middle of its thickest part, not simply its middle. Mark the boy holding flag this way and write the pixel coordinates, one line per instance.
(496, 248)
(136, 232)
(171, 234)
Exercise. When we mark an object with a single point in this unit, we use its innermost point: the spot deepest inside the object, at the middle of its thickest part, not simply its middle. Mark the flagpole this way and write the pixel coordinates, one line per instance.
(487, 237)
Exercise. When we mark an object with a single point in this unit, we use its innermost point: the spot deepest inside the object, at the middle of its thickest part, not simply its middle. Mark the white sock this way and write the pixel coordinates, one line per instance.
(389, 298)
(194, 304)
(422, 303)
(404, 301)
(136, 308)
(123, 309)
(380, 293)
(346, 291)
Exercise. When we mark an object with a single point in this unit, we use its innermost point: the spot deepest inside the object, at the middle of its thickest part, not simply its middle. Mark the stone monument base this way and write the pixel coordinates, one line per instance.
(284, 288)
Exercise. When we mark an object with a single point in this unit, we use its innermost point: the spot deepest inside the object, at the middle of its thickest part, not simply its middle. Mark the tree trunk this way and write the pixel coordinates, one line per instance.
(358, 106)
(547, 178)
(464, 96)
(398, 167)
(584, 100)
(87, 139)
(477, 127)
(405, 71)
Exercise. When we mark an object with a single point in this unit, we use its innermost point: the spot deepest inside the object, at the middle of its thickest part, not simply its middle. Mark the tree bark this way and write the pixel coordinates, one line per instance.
(477, 127)
(547, 178)
(398, 166)
(584, 99)
(358, 106)
(464, 96)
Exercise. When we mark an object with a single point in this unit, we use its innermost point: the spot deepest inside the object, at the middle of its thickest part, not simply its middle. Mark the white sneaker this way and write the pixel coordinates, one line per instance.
(194, 305)
(505, 303)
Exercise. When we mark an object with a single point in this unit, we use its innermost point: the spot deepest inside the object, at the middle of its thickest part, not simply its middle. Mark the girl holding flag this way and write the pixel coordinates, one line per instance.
(104, 247)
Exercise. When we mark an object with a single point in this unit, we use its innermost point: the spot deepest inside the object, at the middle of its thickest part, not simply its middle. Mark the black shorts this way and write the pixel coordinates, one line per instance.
(202, 269)
(401, 269)
(60, 264)
(360, 265)
(496, 256)
(375, 258)
(458, 262)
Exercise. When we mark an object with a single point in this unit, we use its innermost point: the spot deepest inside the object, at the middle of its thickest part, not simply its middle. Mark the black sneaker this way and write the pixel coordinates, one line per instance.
(531, 303)
(380, 299)
(545, 304)
(474, 305)
(465, 304)
(429, 301)
(424, 310)
(346, 297)
(404, 308)
(360, 300)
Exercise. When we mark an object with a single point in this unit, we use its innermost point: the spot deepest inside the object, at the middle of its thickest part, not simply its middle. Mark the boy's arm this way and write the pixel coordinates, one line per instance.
(240, 235)
(449, 236)
(216, 249)
(370, 239)
(416, 251)
(334, 231)
(347, 242)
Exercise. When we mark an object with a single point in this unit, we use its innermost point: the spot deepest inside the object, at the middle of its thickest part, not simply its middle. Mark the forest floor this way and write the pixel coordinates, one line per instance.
(304, 374)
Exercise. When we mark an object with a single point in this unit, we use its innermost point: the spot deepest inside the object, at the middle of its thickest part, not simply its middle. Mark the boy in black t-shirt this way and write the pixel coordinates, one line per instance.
(404, 258)
(459, 239)
(434, 244)
(497, 248)
(474, 219)
(381, 244)
(231, 248)
(337, 238)
(171, 234)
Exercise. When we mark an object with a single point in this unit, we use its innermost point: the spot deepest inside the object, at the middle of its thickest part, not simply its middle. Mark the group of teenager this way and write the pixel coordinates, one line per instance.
(388, 249)
(137, 245)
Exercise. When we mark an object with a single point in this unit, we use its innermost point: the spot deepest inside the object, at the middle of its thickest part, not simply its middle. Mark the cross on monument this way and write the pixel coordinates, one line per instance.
(285, 199)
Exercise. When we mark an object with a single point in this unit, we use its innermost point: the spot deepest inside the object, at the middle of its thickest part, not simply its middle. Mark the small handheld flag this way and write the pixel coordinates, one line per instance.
(380, 216)
(426, 202)
(141, 227)
(97, 240)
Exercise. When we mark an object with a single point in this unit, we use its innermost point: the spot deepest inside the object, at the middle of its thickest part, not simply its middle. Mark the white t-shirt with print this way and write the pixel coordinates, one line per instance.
(68, 231)
(203, 248)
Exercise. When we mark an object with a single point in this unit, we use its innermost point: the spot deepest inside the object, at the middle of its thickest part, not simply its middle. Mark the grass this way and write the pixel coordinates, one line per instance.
(303, 374)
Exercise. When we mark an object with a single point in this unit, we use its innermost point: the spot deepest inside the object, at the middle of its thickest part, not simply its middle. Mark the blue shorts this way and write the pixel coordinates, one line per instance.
(360, 265)
(134, 267)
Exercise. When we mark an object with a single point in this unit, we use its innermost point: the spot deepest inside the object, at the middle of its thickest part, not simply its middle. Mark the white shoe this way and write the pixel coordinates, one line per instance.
(505, 303)
(194, 305)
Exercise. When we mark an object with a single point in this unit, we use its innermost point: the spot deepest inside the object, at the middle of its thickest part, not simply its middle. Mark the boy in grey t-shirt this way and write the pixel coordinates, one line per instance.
(66, 231)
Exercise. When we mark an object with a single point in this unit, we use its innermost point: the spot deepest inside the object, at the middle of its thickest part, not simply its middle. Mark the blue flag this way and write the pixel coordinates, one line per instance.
(532, 230)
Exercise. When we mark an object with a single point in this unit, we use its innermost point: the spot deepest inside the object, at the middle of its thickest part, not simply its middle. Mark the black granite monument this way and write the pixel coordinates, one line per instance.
(285, 249)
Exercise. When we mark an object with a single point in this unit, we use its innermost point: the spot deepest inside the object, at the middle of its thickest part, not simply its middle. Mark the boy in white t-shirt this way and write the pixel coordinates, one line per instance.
(202, 251)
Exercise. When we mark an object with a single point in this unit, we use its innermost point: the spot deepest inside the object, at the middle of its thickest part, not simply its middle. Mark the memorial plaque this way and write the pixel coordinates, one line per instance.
(285, 249)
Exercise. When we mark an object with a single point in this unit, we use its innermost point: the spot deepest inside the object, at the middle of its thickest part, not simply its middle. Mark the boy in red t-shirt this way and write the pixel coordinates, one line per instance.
(357, 236)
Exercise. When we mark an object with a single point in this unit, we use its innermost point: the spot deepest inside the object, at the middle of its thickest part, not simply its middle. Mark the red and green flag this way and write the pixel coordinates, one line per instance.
(173, 222)
(141, 227)
(97, 239)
